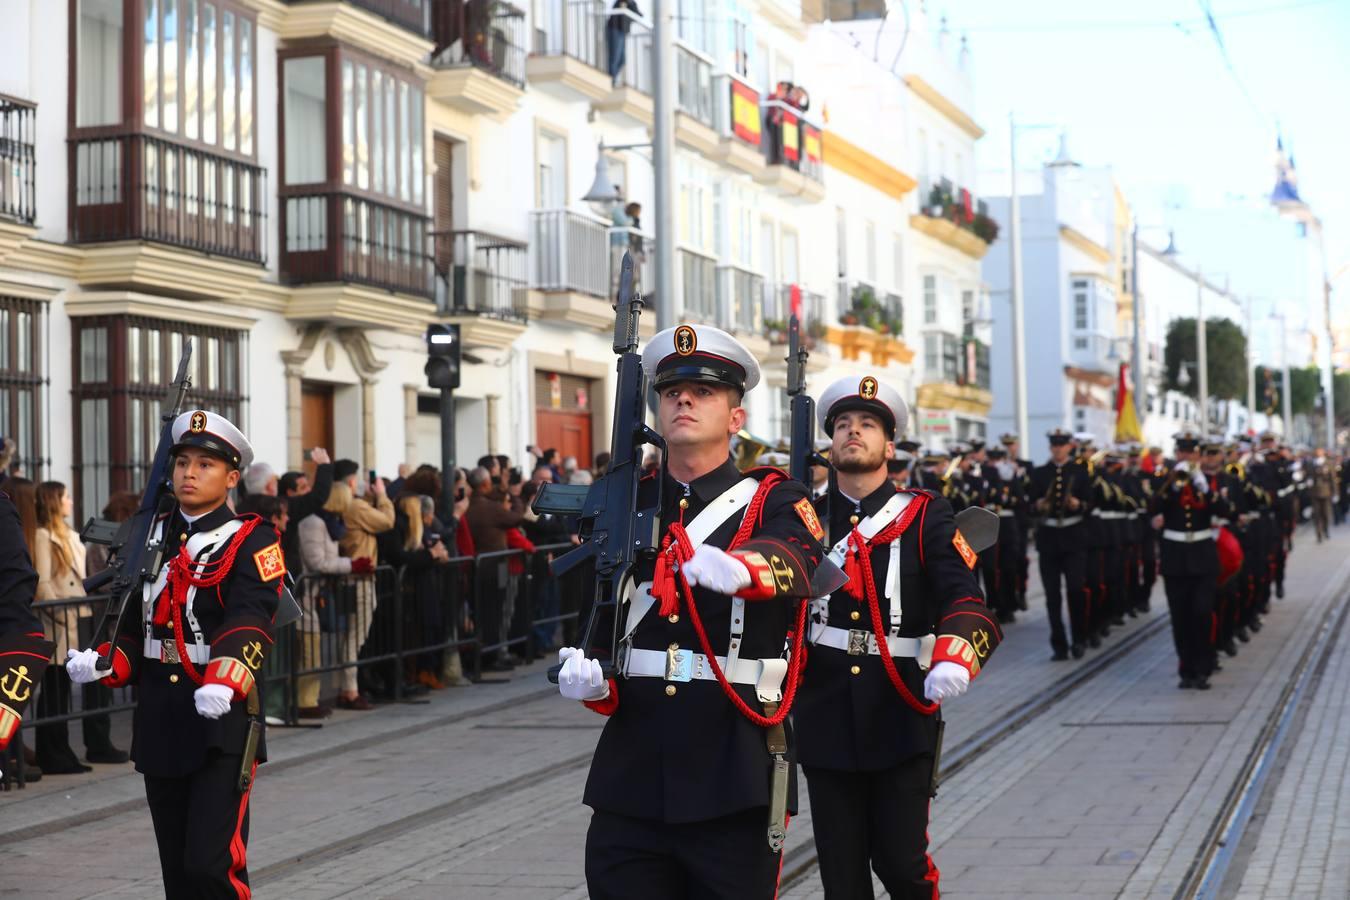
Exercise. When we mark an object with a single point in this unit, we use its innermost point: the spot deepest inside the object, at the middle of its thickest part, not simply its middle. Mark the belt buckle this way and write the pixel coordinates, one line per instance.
(679, 665)
(168, 652)
(857, 642)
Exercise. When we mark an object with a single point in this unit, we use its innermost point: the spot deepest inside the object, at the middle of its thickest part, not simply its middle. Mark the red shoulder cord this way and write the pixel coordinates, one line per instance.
(860, 559)
(174, 598)
(798, 658)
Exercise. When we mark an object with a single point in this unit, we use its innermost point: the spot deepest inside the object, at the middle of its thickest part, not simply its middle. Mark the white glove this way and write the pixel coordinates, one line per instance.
(581, 678)
(80, 666)
(213, 700)
(716, 570)
(946, 680)
(1201, 482)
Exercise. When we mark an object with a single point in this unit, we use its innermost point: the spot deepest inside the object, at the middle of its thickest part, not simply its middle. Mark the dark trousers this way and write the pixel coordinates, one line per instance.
(725, 858)
(615, 49)
(1067, 567)
(201, 825)
(1148, 570)
(868, 822)
(1190, 599)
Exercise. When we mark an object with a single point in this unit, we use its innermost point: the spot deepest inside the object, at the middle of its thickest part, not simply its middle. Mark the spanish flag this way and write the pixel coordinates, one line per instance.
(1127, 422)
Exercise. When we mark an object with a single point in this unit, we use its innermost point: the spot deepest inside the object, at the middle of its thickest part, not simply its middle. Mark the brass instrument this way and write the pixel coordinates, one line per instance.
(748, 450)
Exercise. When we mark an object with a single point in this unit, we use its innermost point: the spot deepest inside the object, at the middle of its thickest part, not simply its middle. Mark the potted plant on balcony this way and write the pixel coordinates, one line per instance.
(848, 317)
(776, 331)
(985, 228)
(938, 200)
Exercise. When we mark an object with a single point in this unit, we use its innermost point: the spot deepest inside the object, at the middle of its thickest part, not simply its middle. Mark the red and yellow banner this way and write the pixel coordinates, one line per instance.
(791, 128)
(745, 123)
(811, 143)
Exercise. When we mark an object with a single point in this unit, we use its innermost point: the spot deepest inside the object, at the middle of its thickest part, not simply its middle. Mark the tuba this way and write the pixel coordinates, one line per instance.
(748, 450)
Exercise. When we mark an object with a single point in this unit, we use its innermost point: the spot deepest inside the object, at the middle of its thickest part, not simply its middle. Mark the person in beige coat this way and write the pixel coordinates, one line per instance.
(59, 558)
(364, 518)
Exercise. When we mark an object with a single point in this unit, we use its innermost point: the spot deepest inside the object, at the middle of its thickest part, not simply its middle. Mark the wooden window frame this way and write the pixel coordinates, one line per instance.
(15, 378)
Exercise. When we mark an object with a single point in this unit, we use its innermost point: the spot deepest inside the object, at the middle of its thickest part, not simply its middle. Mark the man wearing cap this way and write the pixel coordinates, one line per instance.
(1060, 494)
(1003, 561)
(193, 656)
(1139, 484)
(1022, 469)
(695, 748)
(908, 631)
(1183, 510)
(1278, 481)
(24, 650)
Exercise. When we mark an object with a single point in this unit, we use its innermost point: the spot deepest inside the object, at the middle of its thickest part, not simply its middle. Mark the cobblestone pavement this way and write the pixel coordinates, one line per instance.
(1110, 791)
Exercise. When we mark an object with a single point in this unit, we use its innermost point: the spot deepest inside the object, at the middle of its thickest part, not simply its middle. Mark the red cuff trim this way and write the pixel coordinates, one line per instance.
(232, 674)
(607, 706)
(9, 725)
(121, 666)
(762, 585)
(951, 648)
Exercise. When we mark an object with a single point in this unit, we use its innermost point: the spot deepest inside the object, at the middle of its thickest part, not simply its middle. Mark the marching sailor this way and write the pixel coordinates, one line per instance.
(694, 772)
(194, 656)
(24, 649)
(1060, 491)
(908, 631)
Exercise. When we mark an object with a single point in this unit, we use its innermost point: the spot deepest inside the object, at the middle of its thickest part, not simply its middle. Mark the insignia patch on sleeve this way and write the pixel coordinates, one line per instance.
(271, 564)
(959, 542)
(807, 513)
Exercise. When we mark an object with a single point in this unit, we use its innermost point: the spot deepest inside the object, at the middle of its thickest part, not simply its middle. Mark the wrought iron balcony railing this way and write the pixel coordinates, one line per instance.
(18, 185)
(339, 237)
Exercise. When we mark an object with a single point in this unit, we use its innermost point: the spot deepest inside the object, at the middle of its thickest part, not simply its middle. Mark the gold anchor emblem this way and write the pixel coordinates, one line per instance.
(981, 643)
(686, 340)
(782, 573)
(253, 654)
(868, 388)
(16, 685)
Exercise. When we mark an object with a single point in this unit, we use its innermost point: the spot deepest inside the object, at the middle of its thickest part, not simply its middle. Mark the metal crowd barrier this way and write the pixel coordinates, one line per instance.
(375, 631)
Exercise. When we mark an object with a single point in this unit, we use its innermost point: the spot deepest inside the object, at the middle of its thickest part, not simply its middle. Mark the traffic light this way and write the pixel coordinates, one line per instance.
(442, 368)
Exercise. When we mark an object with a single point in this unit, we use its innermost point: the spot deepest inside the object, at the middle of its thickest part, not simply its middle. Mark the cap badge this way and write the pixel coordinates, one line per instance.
(686, 340)
(867, 388)
(197, 424)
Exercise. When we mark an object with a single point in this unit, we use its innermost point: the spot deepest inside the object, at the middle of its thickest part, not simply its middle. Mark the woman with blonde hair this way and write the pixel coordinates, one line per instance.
(59, 558)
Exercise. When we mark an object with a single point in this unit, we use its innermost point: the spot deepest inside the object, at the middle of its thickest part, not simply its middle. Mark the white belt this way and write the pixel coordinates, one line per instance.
(1112, 514)
(1287, 490)
(1217, 522)
(167, 651)
(1006, 513)
(1187, 537)
(1062, 522)
(860, 642)
(766, 676)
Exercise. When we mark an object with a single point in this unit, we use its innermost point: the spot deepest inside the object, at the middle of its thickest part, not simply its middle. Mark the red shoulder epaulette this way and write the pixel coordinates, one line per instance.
(922, 492)
(763, 472)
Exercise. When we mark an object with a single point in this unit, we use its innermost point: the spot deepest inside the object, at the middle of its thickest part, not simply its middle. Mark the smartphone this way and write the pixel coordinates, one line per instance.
(459, 495)
(308, 455)
(373, 476)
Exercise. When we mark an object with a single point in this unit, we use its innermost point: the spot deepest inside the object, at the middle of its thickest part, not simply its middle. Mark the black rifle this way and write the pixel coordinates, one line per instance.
(616, 533)
(134, 553)
(803, 410)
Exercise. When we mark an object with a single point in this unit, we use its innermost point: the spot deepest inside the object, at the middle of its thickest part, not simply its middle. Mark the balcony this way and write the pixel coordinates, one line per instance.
(630, 100)
(398, 30)
(956, 374)
(18, 133)
(479, 56)
(574, 266)
(869, 323)
(950, 214)
(481, 282)
(740, 298)
(694, 122)
(698, 287)
(124, 190)
(739, 125)
(795, 154)
(568, 59)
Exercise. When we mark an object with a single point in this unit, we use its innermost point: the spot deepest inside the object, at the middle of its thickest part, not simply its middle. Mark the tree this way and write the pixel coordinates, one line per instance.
(1226, 358)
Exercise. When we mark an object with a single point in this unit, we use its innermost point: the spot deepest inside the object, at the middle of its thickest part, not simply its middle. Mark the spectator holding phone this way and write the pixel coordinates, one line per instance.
(304, 498)
(364, 519)
(489, 519)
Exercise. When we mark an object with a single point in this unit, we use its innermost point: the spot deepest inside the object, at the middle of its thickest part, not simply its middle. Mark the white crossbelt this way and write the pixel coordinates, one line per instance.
(1006, 513)
(1218, 522)
(860, 641)
(167, 651)
(1287, 490)
(683, 665)
(1111, 514)
(1187, 537)
(1062, 522)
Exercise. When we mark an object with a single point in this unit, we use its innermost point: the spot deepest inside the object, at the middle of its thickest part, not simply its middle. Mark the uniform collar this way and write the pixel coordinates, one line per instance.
(707, 488)
(871, 503)
(207, 521)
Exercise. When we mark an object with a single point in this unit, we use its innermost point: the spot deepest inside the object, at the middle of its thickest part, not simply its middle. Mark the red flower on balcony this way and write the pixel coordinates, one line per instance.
(967, 207)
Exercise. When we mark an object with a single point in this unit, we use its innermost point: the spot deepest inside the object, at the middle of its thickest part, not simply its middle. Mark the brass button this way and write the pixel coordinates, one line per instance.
(173, 679)
(853, 520)
(673, 618)
(855, 615)
(670, 690)
(183, 536)
(856, 670)
(684, 504)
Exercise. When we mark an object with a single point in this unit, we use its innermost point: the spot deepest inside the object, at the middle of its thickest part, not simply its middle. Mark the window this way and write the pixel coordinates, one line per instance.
(930, 300)
(552, 161)
(968, 313)
(21, 382)
(382, 133)
(122, 367)
(740, 37)
(870, 247)
(1081, 305)
(897, 262)
(841, 240)
(306, 105)
(932, 356)
(98, 42)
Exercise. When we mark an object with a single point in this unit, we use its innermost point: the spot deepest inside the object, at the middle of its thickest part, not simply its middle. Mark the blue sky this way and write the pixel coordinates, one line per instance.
(1144, 88)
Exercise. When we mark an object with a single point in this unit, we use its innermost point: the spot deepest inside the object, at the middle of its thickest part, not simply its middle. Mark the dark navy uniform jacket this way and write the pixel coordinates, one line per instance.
(24, 650)
(1184, 508)
(1056, 484)
(689, 755)
(170, 738)
(860, 723)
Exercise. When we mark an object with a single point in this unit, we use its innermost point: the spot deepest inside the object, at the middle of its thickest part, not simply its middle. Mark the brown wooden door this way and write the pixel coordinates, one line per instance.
(567, 430)
(316, 419)
(444, 222)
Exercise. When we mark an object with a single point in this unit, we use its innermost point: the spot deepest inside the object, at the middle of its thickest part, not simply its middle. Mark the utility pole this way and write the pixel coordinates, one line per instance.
(1287, 399)
(663, 152)
(1137, 351)
(1202, 355)
(1019, 341)
(1251, 371)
